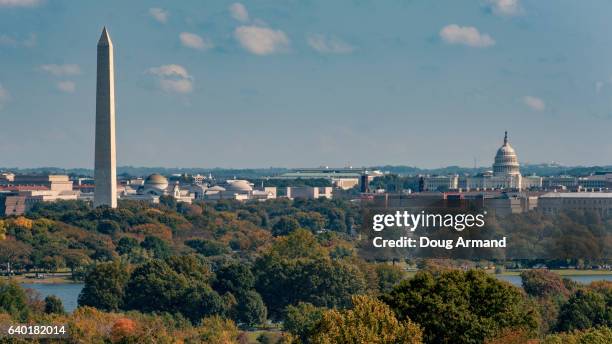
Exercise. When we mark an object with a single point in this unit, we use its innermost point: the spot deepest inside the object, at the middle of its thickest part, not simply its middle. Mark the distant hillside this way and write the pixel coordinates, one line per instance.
(257, 173)
(527, 169)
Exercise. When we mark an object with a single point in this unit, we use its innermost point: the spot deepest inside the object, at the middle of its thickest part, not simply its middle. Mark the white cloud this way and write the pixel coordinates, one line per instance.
(329, 45)
(534, 103)
(19, 3)
(4, 96)
(505, 7)
(173, 78)
(466, 35)
(239, 12)
(159, 14)
(66, 86)
(261, 40)
(191, 40)
(7, 40)
(171, 70)
(61, 70)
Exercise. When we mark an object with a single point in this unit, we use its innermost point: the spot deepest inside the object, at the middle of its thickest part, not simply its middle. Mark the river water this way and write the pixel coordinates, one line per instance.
(69, 292)
(586, 279)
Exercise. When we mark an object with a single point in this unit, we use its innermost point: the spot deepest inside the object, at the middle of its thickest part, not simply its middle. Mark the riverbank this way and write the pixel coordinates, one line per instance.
(61, 278)
(562, 272)
(66, 278)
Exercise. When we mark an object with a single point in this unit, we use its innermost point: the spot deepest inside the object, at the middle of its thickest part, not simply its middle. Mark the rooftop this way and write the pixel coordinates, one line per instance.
(577, 195)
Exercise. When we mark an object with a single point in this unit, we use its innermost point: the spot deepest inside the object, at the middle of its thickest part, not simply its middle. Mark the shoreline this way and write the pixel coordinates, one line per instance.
(65, 278)
(561, 272)
(26, 279)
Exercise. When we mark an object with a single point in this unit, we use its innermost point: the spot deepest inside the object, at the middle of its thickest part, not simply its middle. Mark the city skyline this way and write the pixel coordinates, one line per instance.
(255, 84)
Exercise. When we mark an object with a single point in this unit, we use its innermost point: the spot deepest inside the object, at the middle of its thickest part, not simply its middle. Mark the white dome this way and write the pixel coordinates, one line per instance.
(156, 181)
(238, 185)
(506, 160)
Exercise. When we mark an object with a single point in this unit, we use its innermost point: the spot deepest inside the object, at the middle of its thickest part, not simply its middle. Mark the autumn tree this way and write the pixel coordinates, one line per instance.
(549, 291)
(369, 321)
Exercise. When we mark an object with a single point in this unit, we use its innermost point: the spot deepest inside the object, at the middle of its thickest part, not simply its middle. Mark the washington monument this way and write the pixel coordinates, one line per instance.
(105, 171)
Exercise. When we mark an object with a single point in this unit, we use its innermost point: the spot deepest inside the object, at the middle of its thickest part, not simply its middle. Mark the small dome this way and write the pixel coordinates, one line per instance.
(216, 188)
(157, 181)
(239, 185)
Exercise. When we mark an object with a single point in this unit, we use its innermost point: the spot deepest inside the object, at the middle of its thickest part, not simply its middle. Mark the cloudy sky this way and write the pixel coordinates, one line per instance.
(297, 83)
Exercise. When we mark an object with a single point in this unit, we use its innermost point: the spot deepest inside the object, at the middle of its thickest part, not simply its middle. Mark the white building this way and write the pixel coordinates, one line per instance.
(505, 173)
(309, 192)
(440, 183)
(153, 188)
(554, 202)
(236, 189)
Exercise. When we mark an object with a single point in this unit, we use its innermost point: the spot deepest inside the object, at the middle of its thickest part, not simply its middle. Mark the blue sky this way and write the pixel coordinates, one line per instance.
(294, 83)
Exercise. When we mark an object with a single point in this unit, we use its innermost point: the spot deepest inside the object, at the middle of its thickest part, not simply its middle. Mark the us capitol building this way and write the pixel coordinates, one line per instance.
(505, 175)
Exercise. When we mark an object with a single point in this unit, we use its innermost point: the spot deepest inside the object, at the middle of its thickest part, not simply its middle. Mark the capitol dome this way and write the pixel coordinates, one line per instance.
(506, 162)
(156, 181)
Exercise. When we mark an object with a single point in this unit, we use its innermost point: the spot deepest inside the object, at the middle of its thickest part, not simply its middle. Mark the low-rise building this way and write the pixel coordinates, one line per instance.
(440, 183)
(154, 187)
(309, 192)
(555, 202)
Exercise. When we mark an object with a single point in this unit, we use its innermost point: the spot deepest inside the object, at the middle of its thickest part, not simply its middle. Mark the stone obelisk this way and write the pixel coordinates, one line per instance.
(105, 171)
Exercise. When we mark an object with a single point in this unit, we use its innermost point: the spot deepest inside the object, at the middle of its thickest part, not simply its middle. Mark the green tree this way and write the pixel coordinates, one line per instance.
(108, 227)
(235, 278)
(238, 280)
(583, 310)
(388, 276)
(126, 245)
(76, 259)
(157, 246)
(207, 248)
(320, 281)
(54, 305)
(105, 286)
(302, 320)
(369, 321)
(199, 300)
(250, 308)
(154, 286)
(311, 220)
(285, 225)
(191, 266)
(13, 300)
(462, 307)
